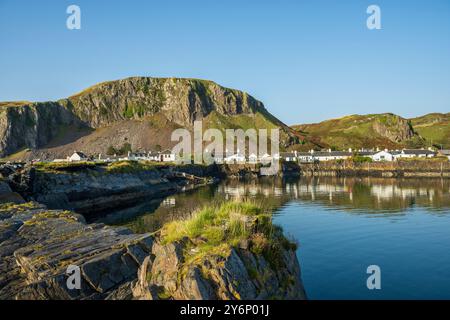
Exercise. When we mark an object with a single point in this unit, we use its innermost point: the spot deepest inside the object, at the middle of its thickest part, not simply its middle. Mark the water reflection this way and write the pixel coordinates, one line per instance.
(353, 195)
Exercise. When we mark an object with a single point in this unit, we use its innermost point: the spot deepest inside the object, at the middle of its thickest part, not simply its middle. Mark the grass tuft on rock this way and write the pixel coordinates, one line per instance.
(130, 166)
(219, 228)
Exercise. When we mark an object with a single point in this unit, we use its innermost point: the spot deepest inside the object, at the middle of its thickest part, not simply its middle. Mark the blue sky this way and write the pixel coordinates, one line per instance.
(306, 60)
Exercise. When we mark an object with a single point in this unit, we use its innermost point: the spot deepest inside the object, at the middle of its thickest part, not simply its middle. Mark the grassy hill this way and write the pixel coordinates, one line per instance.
(378, 130)
(434, 127)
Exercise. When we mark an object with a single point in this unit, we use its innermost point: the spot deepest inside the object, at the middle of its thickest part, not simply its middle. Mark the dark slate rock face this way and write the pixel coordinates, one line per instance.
(165, 275)
(37, 245)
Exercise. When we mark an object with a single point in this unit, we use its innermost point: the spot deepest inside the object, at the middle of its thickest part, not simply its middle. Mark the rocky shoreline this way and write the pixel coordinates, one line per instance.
(43, 234)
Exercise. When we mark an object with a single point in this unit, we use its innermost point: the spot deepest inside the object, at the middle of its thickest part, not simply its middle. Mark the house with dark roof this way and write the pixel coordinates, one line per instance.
(413, 153)
(166, 156)
(289, 156)
(331, 155)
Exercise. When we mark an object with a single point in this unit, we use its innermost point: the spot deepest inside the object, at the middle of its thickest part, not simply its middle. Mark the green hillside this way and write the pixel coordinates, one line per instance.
(435, 128)
(366, 131)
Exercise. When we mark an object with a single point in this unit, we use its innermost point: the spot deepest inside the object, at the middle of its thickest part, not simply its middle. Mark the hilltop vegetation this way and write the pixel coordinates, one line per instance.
(435, 128)
(380, 130)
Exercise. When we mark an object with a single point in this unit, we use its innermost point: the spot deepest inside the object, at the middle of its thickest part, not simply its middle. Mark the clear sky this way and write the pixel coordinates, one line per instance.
(306, 60)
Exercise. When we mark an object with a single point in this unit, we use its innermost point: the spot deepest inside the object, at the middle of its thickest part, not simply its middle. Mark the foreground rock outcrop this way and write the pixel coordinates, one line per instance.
(38, 246)
(241, 274)
(232, 251)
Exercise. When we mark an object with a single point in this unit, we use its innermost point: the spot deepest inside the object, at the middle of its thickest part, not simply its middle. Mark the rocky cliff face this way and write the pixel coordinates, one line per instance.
(394, 128)
(32, 125)
(168, 102)
(181, 100)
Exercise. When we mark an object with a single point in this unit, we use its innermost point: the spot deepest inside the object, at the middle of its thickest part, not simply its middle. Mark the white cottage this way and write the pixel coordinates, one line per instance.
(166, 156)
(414, 153)
(78, 156)
(382, 156)
(252, 158)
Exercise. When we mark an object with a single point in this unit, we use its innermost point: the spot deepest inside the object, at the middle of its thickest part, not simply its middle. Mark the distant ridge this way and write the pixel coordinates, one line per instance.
(385, 130)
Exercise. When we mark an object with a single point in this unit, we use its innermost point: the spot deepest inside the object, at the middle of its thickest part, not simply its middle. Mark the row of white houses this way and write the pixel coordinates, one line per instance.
(295, 156)
(160, 156)
(383, 155)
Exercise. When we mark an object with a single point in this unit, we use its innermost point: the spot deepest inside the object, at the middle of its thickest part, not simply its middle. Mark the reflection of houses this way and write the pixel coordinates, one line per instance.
(169, 202)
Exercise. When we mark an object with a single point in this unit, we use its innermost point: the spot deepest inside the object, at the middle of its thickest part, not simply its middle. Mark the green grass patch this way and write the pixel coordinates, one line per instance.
(131, 166)
(64, 166)
(216, 229)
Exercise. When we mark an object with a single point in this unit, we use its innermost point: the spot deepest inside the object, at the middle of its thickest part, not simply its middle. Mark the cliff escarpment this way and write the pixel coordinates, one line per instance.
(32, 125)
(141, 111)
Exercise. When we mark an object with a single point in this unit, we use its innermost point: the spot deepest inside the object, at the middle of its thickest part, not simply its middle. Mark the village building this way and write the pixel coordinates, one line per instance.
(253, 158)
(77, 156)
(444, 153)
(235, 158)
(382, 156)
(267, 158)
(331, 155)
(289, 156)
(413, 153)
(152, 156)
(305, 157)
(166, 156)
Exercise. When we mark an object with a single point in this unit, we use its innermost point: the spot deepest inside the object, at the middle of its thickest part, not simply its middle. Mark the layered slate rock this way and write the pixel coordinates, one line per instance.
(241, 274)
(37, 245)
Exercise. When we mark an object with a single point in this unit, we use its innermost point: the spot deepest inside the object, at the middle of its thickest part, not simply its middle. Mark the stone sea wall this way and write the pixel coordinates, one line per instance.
(408, 168)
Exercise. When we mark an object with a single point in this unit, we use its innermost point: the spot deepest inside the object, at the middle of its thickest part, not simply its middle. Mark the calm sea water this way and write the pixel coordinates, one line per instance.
(343, 226)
